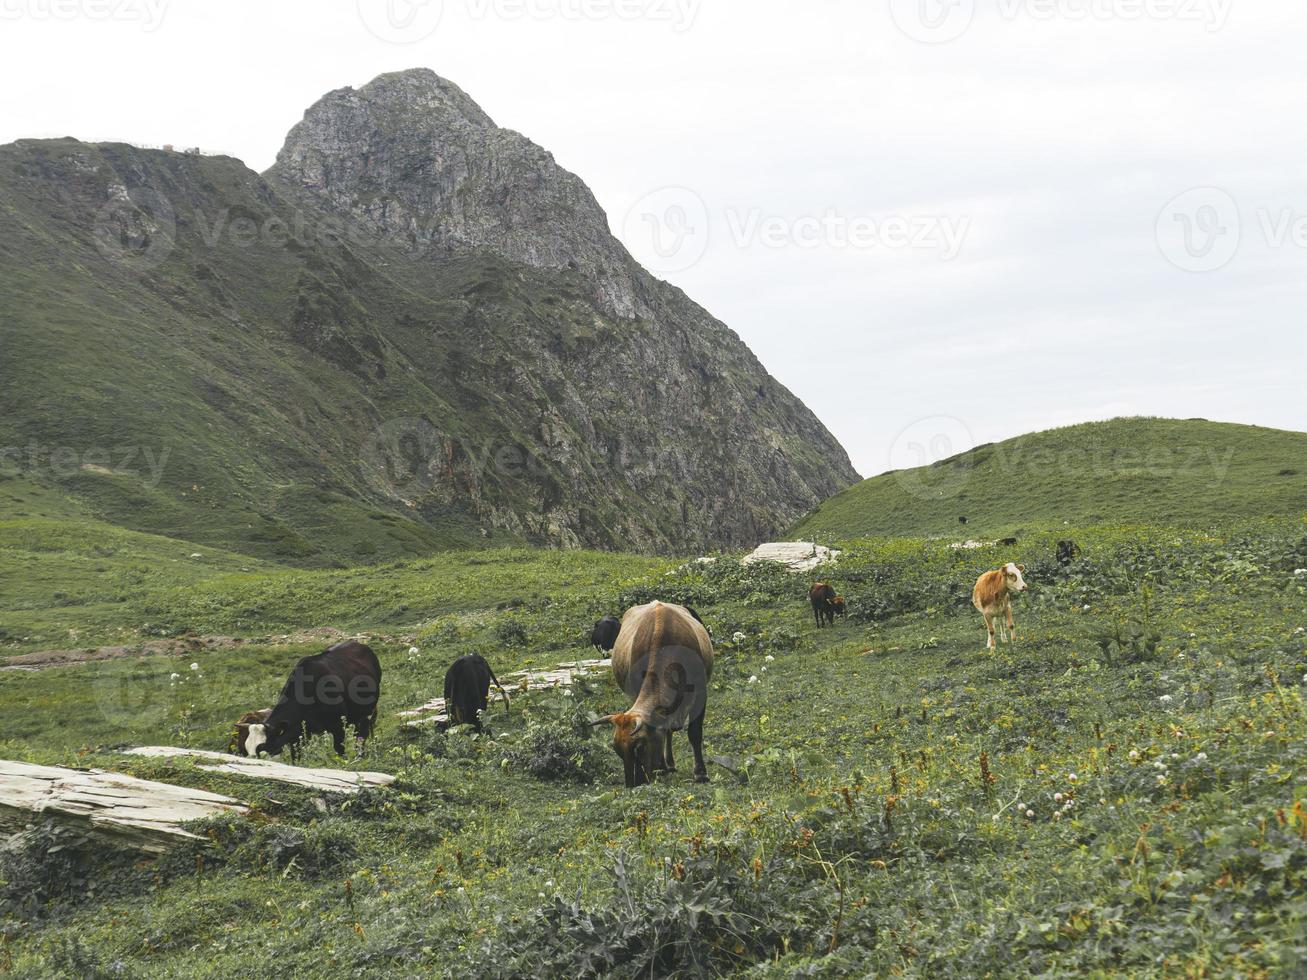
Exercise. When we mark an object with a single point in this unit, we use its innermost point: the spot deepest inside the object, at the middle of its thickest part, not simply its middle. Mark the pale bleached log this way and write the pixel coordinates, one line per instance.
(143, 814)
(326, 780)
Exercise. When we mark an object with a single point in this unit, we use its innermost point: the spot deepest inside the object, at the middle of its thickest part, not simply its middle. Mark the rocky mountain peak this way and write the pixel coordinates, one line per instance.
(413, 158)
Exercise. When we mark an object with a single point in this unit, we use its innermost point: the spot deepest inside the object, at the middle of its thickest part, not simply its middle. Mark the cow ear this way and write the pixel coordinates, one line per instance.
(1021, 568)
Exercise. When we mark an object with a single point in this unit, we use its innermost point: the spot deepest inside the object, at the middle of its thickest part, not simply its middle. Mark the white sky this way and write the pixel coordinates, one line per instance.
(759, 154)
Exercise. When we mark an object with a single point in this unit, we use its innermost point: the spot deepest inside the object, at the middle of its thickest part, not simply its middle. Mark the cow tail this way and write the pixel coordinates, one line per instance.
(507, 704)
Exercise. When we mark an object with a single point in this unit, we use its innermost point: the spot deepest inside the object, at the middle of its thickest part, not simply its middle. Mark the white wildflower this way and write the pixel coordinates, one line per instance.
(770, 658)
(1166, 699)
(738, 637)
(1057, 815)
(753, 679)
(1200, 757)
(1134, 755)
(413, 651)
(1057, 797)
(1159, 764)
(195, 666)
(175, 678)
(1030, 814)
(567, 692)
(1161, 780)
(1071, 777)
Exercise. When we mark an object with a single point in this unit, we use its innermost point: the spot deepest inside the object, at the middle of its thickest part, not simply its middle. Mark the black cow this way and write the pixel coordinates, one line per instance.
(604, 636)
(1067, 552)
(699, 619)
(325, 692)
(467, 690)
(1008, 542)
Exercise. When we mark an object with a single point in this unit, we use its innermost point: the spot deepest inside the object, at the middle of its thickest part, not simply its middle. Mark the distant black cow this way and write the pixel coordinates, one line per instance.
(604, 636)
(962, 520)
(822, 597)
(1067, 552)
(325, 692)
(1008, 542)
(467, 690)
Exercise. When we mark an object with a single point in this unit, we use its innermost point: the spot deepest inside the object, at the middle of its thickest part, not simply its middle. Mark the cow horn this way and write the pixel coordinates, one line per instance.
(606, 720)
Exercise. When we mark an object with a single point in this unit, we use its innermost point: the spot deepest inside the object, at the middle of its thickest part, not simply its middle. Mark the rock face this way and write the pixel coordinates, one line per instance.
(414, 331)
(410, 156)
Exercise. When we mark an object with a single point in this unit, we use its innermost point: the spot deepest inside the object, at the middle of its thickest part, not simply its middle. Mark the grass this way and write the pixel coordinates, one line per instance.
(863, 816)
(1140, 470)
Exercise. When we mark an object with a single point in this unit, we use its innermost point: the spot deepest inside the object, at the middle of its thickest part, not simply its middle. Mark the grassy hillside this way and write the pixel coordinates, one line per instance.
(1121, 793)
(1140, 470)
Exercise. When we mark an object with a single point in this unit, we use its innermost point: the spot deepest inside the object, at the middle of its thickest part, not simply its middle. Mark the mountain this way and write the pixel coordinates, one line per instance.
(414, 332)
(1191, 473)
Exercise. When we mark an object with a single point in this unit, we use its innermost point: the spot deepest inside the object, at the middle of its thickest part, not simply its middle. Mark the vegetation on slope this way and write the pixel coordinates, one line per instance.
(1119, 793)
(1132, 471)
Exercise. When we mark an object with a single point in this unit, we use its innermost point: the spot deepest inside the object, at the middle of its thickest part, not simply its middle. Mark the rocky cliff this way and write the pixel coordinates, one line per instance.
(415, 330)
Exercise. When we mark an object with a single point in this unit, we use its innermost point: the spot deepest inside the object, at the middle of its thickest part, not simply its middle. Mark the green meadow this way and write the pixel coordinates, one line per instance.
(1120, 792)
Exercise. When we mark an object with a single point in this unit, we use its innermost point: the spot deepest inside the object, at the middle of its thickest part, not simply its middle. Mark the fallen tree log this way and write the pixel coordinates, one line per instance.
(136, 812)
(327, 780)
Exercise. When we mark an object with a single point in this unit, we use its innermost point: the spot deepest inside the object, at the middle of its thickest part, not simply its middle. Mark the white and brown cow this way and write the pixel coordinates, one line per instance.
(992, 596)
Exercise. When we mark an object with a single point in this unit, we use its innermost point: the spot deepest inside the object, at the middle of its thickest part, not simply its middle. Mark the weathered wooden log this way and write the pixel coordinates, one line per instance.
(135, 812)
(326, 780)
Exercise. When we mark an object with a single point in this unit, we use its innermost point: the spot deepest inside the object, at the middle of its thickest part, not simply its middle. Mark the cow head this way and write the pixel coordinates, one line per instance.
(638, 743)
(276, 735)
(838, 607)
(1012, 573)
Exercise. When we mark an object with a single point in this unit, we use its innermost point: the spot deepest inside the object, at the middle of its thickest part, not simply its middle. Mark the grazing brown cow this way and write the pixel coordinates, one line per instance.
(241, 743)
(992, 596)
(822, 597)
(663, 659)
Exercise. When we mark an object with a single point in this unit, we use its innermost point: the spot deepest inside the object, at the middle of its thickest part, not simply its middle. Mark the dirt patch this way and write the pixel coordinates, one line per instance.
(185, 646)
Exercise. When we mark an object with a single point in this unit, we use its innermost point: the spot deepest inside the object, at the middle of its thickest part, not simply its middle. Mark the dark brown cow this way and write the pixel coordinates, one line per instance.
(822, 597)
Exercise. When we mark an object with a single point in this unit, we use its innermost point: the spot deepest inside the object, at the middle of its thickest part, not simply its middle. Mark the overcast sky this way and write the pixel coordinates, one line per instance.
(937, 221)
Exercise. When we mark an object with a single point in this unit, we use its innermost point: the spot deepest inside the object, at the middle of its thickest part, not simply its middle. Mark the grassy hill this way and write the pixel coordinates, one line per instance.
(1191, 473)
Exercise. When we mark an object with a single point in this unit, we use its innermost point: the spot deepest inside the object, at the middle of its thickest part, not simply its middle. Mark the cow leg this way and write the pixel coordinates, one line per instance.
(669, 761)
(989, 625)
(337, 730)
(696, 743)
(1011, 626)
